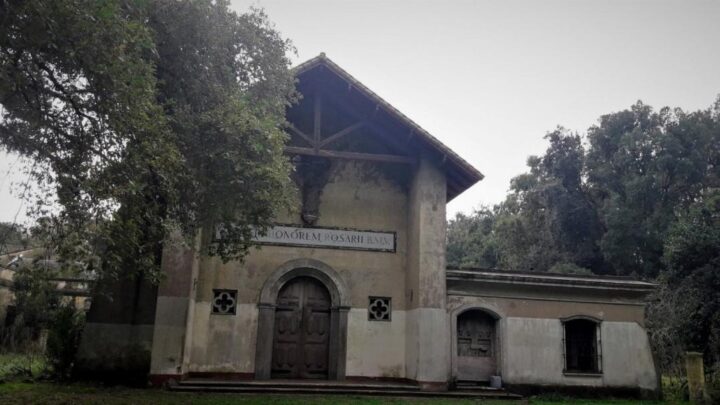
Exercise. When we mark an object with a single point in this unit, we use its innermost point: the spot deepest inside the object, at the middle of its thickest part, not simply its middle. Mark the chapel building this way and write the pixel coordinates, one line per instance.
(352, 284)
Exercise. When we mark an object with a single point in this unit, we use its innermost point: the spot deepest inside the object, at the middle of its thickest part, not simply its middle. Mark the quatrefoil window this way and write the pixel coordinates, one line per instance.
(379, 309)
(224, 302)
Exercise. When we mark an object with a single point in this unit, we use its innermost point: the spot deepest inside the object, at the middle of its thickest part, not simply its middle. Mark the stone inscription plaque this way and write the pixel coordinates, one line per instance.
(328, 238)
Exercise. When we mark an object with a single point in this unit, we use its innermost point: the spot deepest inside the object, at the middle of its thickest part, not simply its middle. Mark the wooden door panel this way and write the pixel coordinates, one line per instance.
(476, 351)
(302, 329)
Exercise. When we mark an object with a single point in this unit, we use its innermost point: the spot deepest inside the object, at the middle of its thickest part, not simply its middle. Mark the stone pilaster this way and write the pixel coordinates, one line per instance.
(172, 337)
(427, 334)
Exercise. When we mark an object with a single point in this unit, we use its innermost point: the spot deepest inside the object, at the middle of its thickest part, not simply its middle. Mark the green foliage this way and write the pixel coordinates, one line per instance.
(570, 268)
(35, 300)
(692, 254)
(20, 366)
(643, 168)
(145, 118)
(471, 241)
(35, 303)
(224, 83)
(65, 330)
(546, 219)
(44, 321)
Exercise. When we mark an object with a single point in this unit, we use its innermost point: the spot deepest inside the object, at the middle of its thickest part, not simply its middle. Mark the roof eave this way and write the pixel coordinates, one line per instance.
(469, 174)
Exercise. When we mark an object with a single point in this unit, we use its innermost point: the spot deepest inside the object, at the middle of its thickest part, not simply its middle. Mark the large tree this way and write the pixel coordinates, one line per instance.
(607, 206)
(685, 314)
(642, 168)
(146, 118)
(552, 200)
(546, 220)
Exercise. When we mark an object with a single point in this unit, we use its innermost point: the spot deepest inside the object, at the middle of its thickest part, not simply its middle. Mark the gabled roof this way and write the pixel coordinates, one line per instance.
(460, 174)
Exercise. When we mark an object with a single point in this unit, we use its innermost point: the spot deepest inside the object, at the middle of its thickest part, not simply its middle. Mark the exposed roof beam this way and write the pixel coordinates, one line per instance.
(301, 134)
(471, 175)
(332, 138)
(317, 121)
(368, 120)
(350, 155)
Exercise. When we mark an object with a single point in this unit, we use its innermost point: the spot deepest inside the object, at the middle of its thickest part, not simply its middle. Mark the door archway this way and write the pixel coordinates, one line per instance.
(476, 346)
(302, 330)
(324, 284)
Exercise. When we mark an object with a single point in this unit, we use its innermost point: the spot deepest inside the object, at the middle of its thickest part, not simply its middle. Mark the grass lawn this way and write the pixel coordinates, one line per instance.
(16, 368)
(48, 393)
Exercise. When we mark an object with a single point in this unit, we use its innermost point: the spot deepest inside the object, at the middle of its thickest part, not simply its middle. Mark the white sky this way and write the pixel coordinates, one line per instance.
(490, 78)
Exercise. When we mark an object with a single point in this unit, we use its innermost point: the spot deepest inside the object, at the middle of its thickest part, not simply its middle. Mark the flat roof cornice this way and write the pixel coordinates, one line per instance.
(551, 279)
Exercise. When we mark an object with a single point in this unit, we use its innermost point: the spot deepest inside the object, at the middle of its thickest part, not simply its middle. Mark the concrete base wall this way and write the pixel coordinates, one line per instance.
(427, 345)
(169, 335)
(116, 343)
(115, 351)
(227, 344)
(375, 349)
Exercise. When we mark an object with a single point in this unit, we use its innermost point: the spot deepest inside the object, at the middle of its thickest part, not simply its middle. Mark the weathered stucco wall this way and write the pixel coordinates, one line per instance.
(229, 346)
(358, 196)
(531, 341)
(627, 356)
(535, 355)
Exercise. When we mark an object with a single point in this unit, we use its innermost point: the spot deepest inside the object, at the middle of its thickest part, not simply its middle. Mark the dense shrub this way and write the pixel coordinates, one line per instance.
(63, 339)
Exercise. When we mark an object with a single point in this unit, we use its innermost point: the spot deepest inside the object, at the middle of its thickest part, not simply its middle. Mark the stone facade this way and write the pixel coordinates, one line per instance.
(353, 312)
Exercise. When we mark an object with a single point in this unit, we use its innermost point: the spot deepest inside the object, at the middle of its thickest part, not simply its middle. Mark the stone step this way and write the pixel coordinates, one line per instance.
(320, 384)
(464, 386)
(339, 389)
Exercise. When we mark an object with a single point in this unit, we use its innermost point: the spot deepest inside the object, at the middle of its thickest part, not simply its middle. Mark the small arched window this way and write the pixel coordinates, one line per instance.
(582, 346)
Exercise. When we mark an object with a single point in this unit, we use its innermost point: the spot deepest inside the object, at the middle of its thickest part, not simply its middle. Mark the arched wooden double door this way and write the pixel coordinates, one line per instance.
(302, 330)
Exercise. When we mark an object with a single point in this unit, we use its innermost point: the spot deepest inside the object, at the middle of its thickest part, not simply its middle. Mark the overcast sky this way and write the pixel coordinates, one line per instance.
(490, 78)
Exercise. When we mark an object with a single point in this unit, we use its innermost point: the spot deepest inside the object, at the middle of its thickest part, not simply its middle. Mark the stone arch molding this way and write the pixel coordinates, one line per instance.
(590, 318)
(339, 296)
(496, 314)
(339, 292)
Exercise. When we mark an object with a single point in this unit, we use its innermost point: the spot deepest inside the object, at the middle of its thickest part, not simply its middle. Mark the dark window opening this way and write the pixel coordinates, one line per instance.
(581, 346)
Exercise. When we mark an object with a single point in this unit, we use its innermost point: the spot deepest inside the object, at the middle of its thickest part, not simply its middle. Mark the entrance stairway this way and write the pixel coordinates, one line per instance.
(324, 387)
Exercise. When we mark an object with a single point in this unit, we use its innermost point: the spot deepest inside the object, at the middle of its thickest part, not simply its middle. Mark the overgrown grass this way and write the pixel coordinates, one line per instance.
(26, 366)
(674, 388)
(47, 393)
